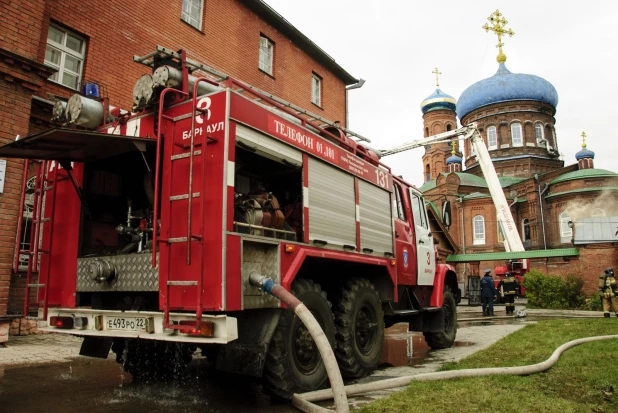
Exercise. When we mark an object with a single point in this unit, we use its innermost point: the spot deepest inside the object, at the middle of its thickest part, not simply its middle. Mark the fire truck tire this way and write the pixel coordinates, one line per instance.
(293, 362)
(446, 337)
(360, 328)
(149, 360)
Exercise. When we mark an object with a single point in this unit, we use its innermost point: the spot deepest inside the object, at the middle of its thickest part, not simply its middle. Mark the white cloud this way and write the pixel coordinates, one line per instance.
(395, 44)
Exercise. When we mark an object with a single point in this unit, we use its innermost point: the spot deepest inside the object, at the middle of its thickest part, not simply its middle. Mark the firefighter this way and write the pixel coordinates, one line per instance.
(608, 289)
(489, 291)
(510, 290)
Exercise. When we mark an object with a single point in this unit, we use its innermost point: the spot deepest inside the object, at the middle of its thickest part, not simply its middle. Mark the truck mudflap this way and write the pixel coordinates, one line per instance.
(135, 324)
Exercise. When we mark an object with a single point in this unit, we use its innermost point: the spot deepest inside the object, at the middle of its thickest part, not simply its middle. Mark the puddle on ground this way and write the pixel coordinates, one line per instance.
(403, 348)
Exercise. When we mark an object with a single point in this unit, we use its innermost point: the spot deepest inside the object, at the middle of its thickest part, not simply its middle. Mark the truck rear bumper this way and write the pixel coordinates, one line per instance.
(139, 324)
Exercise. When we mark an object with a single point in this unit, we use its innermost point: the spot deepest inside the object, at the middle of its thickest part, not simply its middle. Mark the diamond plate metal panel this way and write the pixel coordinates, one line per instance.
(134, 272)
(262, 258)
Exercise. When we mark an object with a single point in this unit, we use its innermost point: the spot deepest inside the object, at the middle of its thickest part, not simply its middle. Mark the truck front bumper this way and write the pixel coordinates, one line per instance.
(138, 324)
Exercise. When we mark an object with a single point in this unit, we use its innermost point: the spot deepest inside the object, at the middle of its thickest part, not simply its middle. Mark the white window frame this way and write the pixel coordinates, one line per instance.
(58, 77)
(267, 51)
(525, 223)
(478, 227)
(597, 212)
(492, 136)
(565, 230)
(516, 127)
(540, 137)
(316, 89)
(187, 16)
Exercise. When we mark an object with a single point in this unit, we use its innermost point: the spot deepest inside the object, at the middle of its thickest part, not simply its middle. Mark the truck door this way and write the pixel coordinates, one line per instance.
(426, 256)
(404, 248)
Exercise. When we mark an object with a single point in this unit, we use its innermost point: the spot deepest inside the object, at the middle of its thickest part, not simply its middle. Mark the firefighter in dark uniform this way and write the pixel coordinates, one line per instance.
(508, 287)
(608, 291)
(488, 291)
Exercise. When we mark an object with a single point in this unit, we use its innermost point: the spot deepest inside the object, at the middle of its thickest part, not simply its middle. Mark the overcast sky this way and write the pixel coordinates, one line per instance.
(395, 44)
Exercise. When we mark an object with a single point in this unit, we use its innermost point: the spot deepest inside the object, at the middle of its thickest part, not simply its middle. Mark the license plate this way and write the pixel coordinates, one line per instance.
(125, 323)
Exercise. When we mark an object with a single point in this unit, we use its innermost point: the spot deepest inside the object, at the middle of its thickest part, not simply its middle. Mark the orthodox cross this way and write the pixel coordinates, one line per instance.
(453, 145)
(437, 74)
(584, 140)
(498, 22)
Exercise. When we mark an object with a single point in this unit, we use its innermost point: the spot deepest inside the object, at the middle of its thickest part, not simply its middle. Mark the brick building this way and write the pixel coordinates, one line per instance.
(515, 114)
(48, 49)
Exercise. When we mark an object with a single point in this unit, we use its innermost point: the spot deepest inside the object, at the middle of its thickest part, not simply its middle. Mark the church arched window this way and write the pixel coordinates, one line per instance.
(566, 232)
(525, 230)
(539, 135)
(517, 137)
(426, 132)
(492, 138)
(427, 173)
(479, 230)
(449, 127)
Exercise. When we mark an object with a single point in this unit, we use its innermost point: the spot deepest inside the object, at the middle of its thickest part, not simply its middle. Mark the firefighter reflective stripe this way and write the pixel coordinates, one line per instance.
(332, 205)
(267, 146)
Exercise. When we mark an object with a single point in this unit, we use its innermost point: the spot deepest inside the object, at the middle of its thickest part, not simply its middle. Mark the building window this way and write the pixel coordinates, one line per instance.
(525, 230)
(538, 133)
(426, 132)
(479, 230)
(192, 12)
(492, 138)
(267, 49)
(500, 234)
(316, 90)
(448, 127)
(566, 232)
(598, 212)
(516, 134)
(66, 52)
(427, 173)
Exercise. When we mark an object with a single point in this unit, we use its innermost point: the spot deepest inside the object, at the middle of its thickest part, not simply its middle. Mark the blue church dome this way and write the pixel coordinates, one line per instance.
(584, 153)
(438, 100)
(454, 159)
(505, 86)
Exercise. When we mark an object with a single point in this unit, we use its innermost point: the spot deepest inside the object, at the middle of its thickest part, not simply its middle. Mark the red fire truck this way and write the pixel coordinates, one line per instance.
(147, 224)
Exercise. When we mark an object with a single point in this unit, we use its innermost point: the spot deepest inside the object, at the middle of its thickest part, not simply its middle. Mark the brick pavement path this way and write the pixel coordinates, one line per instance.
(40, 348)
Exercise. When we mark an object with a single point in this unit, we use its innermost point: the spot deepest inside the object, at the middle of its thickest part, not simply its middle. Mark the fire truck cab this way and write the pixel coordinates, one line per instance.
(147, 225)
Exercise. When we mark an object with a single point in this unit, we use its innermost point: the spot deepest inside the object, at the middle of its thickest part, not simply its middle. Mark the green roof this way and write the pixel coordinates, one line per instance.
(509, 180)
(434, 207)
(577, 191)
(584, 174)
(471, 180)
(428, 185)
(498, 256)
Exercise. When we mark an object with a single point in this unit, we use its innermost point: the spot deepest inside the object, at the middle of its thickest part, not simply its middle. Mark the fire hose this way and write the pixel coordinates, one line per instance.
(339, 392)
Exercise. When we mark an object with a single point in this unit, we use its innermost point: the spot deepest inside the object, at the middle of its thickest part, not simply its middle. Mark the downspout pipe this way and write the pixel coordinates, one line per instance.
(536, 178)
(266, 284)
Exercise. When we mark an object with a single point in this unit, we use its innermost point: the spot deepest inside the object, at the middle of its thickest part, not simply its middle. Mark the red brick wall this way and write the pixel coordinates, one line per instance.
(229, 42)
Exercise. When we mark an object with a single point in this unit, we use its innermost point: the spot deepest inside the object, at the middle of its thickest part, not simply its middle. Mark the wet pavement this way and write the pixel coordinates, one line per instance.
(94, 385)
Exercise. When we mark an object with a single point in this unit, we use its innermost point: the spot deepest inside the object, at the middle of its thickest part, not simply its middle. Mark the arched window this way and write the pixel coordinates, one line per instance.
(479, 230)
(539, 135)
(448, 127)
(597, 212)
(492, 138)
(426, 132)
(427, 173)
(566, 232)
(525, 230)
(516, 134)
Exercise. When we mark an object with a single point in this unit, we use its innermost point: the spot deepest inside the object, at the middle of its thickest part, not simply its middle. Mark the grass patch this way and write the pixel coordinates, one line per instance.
(573, 384)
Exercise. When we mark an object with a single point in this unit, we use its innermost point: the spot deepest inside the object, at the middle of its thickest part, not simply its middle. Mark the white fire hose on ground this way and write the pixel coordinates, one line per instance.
(339, 392)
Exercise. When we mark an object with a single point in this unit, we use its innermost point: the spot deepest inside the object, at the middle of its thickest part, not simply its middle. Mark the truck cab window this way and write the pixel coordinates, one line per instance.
(398, 208)
(418, 210)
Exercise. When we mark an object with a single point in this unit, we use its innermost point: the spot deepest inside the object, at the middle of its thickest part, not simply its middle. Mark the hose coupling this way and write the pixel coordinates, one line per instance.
(262, 282)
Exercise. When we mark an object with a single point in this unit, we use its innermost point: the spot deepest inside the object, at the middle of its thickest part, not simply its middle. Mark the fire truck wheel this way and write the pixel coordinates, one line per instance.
(360, 328)
(149, 360)
(293, 362)
(446, 337)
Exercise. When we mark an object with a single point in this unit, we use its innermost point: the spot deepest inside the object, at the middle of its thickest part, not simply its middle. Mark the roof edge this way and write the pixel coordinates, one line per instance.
(280, 23)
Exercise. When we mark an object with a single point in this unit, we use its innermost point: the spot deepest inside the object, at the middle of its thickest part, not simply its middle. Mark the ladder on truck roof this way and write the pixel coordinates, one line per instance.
(189, 197)
(41, 205)
(258, 94)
